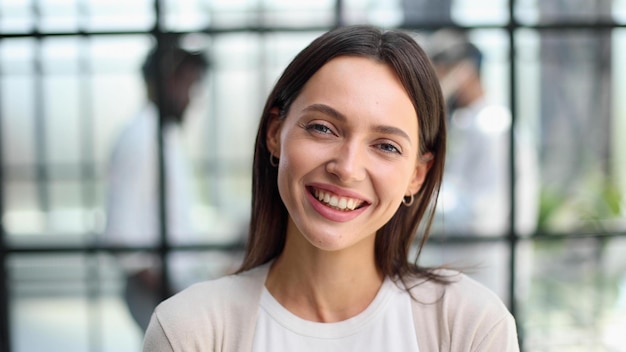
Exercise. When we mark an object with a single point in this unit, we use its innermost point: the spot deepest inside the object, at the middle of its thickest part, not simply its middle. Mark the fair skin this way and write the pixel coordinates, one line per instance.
(351, 135)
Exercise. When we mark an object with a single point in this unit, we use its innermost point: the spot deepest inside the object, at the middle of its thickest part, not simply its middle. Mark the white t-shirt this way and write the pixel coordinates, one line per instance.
(385, 325)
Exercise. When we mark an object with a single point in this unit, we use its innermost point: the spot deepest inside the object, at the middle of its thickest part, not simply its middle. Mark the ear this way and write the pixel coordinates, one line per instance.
(274, 127)
(423, 165)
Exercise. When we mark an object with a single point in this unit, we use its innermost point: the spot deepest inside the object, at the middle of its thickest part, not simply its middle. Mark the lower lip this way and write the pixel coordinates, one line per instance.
(331, 213)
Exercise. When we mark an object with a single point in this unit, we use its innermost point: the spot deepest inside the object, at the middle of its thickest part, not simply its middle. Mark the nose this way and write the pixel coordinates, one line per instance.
(348, 163)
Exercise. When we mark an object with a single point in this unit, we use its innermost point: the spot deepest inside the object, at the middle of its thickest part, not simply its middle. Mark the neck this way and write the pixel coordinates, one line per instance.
(324, 286)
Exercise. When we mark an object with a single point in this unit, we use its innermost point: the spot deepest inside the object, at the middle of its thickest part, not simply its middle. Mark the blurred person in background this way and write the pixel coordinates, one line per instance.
(133, 184)
(475, 193)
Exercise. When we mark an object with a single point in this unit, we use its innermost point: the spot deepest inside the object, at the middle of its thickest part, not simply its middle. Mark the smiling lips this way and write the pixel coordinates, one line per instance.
(337, 202)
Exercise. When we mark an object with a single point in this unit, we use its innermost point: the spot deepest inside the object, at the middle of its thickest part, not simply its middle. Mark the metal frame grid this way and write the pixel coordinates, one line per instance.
(87, 170)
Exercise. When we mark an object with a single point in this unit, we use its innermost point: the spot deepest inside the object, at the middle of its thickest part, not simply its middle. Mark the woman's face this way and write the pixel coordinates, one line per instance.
(348, 151)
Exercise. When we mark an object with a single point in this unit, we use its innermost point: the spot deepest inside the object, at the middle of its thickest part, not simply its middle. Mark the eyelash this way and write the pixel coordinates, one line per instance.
(385, 147)
(323, 129)
(318, 128)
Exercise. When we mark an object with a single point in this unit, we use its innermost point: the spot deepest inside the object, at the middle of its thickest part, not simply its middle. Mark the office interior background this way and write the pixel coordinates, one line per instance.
(70, 79)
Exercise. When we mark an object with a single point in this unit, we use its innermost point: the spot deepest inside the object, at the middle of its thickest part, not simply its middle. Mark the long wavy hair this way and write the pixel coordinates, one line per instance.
(399, 50)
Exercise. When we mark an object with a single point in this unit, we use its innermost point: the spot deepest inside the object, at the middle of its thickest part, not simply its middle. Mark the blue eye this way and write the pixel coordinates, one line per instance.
(389, 148)
(319, 128)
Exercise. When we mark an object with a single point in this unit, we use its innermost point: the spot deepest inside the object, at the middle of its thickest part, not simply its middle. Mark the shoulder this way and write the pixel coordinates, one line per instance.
(459, 295)
(212, 312)
(458, 289)
(467, 313)
(214, 296)
(137, 135)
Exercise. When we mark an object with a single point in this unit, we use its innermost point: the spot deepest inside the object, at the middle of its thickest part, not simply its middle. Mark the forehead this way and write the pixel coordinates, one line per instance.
(348, 77)
(362, 88)
(345, 71)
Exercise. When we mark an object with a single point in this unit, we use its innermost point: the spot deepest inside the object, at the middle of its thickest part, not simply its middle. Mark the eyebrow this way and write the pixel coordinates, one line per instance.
(327, 110)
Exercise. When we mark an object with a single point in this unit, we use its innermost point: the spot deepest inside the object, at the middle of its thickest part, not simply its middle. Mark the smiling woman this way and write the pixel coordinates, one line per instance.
(356, 123)
(362, 145)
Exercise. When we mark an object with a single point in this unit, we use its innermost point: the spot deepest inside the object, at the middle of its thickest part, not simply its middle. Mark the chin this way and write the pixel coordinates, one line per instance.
(333, 242)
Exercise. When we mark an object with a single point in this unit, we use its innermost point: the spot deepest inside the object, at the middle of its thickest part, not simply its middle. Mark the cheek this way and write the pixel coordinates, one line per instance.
(297, 155)
(391, 182)
(293, 163)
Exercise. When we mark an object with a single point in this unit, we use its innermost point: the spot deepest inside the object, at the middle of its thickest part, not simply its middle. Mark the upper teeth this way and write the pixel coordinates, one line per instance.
(342, 203)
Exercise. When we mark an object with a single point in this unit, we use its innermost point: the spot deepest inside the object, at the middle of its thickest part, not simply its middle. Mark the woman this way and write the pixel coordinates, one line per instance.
(348, 161)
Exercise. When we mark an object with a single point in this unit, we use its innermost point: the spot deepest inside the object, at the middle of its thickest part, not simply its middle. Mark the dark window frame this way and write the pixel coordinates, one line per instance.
(87, 169)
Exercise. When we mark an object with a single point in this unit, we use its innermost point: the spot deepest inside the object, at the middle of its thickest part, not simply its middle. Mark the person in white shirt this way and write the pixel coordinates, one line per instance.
(348, 160)
(475, 193)
(133, 188)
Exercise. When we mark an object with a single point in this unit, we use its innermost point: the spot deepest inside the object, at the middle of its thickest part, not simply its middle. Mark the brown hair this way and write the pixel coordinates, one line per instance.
(398, 50)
